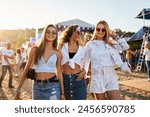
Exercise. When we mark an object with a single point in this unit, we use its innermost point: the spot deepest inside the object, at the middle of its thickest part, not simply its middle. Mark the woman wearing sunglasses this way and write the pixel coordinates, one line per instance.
(103, 54)
(48, 82)
(73, 63)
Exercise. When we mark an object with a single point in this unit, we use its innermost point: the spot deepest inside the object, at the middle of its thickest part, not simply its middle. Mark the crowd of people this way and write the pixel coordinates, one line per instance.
(63, 68)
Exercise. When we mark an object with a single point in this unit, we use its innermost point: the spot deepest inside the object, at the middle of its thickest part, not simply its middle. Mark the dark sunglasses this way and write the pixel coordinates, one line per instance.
(98, 29)
(49, 32)
(78, 32)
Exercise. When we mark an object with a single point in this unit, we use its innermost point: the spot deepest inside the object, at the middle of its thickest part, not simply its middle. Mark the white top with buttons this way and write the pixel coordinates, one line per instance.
(101, 54)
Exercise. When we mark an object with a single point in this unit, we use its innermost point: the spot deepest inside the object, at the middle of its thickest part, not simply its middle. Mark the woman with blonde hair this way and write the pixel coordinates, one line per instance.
(48, 82)
(103, 54)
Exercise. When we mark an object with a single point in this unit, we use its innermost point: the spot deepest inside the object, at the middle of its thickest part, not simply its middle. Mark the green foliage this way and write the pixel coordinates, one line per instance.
(135, 45)
(123, 33)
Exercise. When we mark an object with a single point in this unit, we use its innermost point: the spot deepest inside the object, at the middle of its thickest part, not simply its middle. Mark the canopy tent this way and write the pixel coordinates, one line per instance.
(84, 26)
(139, 35)
(144, 14)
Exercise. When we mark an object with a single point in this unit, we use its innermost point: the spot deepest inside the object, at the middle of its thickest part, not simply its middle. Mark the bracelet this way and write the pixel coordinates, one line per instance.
(18, 90)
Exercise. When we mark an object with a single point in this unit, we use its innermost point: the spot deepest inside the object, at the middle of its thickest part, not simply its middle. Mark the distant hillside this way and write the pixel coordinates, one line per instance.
(8, 35)
(17, 37)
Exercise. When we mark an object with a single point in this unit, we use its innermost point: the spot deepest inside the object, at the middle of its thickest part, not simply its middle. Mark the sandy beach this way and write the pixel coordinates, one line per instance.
(127, 82)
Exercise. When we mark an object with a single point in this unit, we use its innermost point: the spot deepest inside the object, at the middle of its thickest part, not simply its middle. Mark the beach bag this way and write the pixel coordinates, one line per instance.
(125, 68)
(31, 74)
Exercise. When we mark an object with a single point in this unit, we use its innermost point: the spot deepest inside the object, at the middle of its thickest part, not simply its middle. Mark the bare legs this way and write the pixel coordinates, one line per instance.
(111, 95)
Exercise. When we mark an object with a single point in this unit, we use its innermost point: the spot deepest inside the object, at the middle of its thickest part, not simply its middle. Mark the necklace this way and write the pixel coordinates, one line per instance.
(48, 49)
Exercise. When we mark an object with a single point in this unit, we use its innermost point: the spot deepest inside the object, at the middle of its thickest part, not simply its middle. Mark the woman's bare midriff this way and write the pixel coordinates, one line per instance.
(44, 75)
(68, 70)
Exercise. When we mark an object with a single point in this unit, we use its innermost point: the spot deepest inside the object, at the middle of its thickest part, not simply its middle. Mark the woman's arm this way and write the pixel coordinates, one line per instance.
(84, 61)
(81, 75)
(87, 59)
(24, 73)
(59, 73)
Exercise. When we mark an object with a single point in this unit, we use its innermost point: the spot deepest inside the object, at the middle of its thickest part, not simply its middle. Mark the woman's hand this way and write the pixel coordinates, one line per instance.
(81, 75)
(79, 78)
(62, 97)
(17, 96)
(113, 35)
(79, 40)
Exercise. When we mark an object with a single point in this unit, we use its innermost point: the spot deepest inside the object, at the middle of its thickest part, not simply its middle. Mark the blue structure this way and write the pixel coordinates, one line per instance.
(144, 14)
(139, 35)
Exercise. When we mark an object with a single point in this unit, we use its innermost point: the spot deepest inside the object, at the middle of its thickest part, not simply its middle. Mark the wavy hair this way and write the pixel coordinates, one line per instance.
(68, 32)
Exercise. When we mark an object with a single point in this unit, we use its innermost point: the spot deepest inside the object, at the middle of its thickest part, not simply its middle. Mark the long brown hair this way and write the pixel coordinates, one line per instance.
(67, 34)
(41, 48)
(106, 37)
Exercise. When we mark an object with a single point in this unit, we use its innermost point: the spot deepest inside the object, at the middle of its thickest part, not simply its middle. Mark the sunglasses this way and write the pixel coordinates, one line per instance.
(49, 32)
(98, 29)
(78, 32)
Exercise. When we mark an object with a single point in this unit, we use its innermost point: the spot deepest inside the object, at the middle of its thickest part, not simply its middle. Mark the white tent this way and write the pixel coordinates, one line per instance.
(80, 23)
(84, 26)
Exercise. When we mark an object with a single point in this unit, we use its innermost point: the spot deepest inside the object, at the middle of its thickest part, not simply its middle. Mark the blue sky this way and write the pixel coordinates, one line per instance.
(121, 14)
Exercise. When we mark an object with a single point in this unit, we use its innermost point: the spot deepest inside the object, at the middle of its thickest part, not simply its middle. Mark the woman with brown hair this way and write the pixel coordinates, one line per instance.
(46, 59)
(73, 64)
(103, 54)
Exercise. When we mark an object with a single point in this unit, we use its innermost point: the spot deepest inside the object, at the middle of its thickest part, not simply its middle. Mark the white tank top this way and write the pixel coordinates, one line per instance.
(48, 66)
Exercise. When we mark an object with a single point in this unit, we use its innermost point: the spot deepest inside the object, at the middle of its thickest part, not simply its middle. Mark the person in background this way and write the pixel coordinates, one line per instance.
(73, 63)
(18, 62)
(130, 58)
(103, 54)
(7, 56)
(136, 57)
(147, 58)
(23, 59)
(48, 82)
(87, 38)
(13, 64)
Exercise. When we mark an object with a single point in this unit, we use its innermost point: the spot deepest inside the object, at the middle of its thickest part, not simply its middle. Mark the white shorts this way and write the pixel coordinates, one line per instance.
(105, 80)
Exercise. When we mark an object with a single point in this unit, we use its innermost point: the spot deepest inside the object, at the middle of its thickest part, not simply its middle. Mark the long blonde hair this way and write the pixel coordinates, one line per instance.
(106, 37)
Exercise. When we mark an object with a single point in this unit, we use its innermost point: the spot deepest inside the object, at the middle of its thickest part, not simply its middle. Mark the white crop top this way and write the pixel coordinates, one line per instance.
(77, 59)
(48, 66)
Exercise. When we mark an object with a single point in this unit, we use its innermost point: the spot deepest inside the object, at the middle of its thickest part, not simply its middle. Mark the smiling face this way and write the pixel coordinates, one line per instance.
(51, 34)
(100, 31)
